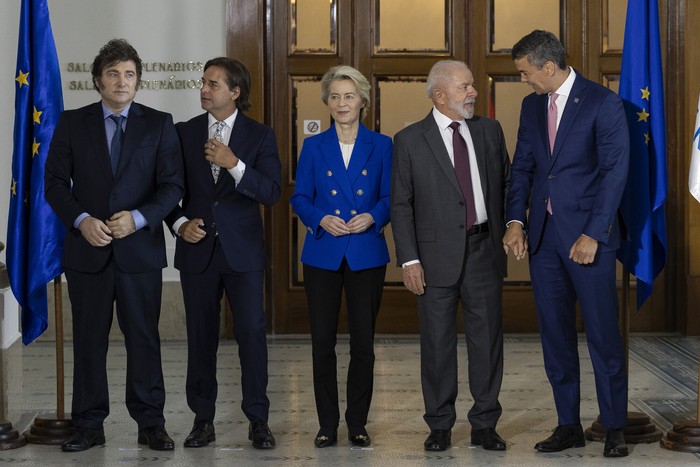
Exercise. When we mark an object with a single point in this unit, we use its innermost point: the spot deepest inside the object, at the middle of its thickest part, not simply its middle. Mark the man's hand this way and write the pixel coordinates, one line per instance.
(335, 226)
(190, 231)
(584, 250)
(413, 278)
(121, 224)
(514, 239)
(220, 154)
(95, 231)
(360, 222)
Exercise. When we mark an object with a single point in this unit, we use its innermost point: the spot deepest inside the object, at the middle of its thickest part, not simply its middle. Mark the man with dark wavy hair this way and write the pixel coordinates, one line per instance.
(113, 172)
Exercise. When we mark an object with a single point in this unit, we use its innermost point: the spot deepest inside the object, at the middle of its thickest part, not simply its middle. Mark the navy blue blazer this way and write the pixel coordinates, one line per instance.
(229, 210)
(324, 186)
(585, 175)
(149, 178)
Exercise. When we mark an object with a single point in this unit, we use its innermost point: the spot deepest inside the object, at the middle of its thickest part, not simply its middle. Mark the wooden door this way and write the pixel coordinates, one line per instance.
(290, 44)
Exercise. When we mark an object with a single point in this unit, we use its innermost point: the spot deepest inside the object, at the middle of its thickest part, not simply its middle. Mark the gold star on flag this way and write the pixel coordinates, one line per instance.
(35, 148)
(22, 78)
(37, 116)
(643, 115)
(646, 139)
(645, 93)
(13, 188)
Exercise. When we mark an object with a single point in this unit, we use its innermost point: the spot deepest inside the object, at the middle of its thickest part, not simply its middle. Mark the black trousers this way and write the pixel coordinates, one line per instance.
(138, 298)
(363, 294)
(480, 291)
(202, 294)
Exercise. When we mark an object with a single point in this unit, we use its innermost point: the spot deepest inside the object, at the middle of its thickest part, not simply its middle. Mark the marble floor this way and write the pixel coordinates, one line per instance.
(663, 385)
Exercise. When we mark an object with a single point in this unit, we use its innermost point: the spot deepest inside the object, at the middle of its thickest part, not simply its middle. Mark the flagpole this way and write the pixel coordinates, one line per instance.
(58, 310)
(639, 428)
(54, 429)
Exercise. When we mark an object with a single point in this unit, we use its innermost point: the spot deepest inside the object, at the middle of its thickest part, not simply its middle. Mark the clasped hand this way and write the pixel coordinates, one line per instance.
(337, 227)
(99, 233)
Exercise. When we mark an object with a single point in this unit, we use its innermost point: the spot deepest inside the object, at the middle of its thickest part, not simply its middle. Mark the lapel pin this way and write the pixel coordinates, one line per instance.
(576, 100)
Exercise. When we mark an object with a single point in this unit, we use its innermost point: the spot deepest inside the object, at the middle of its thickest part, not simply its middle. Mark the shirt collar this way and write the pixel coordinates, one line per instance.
(565, 88)
(443, 121)
(230, 120)
(106, 112)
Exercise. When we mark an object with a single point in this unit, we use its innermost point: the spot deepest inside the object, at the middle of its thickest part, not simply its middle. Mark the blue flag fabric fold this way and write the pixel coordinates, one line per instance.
(643, 252)
(35, 235)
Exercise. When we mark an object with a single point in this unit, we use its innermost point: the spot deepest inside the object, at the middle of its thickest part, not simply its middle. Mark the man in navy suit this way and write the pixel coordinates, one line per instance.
(114, 171)
(232, 167)
(569, 169)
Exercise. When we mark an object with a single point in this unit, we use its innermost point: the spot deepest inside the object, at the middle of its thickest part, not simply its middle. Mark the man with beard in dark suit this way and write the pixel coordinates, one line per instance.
(450, 175)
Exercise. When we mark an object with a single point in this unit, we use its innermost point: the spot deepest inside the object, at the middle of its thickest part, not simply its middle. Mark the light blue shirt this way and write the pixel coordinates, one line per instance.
(110, 128)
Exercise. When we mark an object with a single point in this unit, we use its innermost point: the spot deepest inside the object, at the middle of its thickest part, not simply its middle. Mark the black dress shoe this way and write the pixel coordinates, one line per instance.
(202, 434)
(83, 439)
(157, 438)
(615, 444)
(360, 438)
(325, 438)
(488, 439)
(438, 440)
(261, 436)
(564, 437)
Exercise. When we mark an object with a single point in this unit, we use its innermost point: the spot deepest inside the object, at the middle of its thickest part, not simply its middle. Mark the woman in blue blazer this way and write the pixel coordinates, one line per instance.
(342, 197)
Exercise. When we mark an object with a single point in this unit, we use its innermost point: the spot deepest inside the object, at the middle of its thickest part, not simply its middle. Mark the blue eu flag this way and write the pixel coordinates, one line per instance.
(643, 252)
(35, 236)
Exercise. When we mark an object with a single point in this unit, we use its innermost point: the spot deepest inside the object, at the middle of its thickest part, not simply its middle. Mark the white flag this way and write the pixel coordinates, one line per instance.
(694, 179)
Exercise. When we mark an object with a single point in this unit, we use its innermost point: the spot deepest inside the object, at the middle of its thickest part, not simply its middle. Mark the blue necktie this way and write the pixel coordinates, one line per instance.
(116, 146)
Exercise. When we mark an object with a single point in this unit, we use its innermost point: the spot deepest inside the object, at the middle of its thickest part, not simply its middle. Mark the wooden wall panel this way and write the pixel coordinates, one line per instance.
(676, 298)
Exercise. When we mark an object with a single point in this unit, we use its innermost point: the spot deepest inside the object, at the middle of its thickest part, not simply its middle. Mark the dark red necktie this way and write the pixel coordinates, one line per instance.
(464, 177)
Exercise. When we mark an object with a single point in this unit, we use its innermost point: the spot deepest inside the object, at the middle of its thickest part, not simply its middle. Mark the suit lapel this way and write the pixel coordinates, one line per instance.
(437, 146)
(95, 124)
(334, 159)
(542, 104)
(238, 133)
(573, 105)
(476, 130)
(360, 154)
(135, 129)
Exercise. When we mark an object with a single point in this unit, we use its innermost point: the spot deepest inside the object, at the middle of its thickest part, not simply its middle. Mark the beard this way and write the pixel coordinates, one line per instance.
(463, 112)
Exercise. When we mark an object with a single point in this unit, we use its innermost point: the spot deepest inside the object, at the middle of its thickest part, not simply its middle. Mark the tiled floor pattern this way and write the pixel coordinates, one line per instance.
(663, 384)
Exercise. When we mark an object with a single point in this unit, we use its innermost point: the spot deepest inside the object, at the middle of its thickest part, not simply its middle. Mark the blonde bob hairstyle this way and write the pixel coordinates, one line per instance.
(343, 72)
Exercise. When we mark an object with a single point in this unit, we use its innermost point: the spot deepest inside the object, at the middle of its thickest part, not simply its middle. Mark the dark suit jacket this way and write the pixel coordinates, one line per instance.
(149, 178)
(232, 211)
(427, 207)
(324, 186)
(585, 175)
